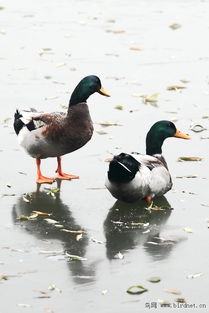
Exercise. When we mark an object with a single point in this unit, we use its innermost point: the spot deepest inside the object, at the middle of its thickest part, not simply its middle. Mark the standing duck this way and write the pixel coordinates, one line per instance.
(135, 176)
(45, 135)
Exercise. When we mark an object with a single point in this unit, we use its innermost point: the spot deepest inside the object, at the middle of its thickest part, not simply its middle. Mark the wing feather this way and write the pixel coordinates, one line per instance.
(34, 120)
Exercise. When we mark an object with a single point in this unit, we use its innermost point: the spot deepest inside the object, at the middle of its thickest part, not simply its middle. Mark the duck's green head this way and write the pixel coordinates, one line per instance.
(158, 133)
(87, 86)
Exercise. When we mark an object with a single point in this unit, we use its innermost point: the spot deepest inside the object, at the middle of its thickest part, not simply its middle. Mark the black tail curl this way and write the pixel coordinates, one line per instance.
(18, 123)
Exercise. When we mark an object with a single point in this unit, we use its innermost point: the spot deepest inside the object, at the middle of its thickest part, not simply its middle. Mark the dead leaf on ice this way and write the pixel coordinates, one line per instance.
(115, 31)
(136, 290)
(184, 81)
(73, 231)
(180, 159)
(175, 26)
(135, 48)
(175, 87)
(154, 279)
(173, 291)
(108, 123)
(152, 99)
(197, 128)
(194, 275)
(188, 230)
(101, 132)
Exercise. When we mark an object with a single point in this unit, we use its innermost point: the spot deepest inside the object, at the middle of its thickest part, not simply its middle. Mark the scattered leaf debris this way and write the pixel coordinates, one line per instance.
(205, 204)
(173, 291)
(187, 176)
(73, 257)
(51, 98)
(180, 159)
(45, 51)
(175, 87)
(48, 310)
(22, 173)
(52, 252)
(64, 106)
(110, 20)
(101, 132)
(181, 300)
(8, 194)
(175, 26)
(194, 275)
(154, 279)
(3, 32)
(154, 207)
(103, 292)
(188, 230)
(43, 297)
(184, 81)
(136, 290)
(53, 191)
(60, 64)
(148, 99)
(24, 305)
(108, 123)
(197, 128)
(135, 48)
(48, 77)
(114, 77)
(115, 31)
(111, 54)
(119, 107)
(4, 277)
(6, 120)
(80, 231)
(204, 137)
(53, 287)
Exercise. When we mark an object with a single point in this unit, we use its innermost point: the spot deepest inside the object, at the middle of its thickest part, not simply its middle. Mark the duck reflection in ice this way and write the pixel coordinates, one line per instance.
(60, 225)
(129, 225)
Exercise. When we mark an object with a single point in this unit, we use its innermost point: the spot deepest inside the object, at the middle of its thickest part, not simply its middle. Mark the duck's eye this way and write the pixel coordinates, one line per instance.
(170, 125)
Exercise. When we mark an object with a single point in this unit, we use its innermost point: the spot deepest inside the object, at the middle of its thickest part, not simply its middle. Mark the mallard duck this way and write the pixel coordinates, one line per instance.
(45, 135)
(135, 176)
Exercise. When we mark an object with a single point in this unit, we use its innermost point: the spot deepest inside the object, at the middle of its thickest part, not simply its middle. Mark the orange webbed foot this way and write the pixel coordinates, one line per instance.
(44, 180)
(60, 174)
(64, 176)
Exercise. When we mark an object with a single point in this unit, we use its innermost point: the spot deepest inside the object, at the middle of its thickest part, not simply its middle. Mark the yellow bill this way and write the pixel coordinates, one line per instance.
(179, 134)
(103, 92)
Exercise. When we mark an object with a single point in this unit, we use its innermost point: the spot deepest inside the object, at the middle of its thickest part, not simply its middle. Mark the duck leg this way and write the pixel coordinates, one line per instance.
(40, 178)
(60, 174)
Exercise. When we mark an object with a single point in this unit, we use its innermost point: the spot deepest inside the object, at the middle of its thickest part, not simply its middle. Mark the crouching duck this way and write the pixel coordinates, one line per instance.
(45, 135)
(135, 176)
